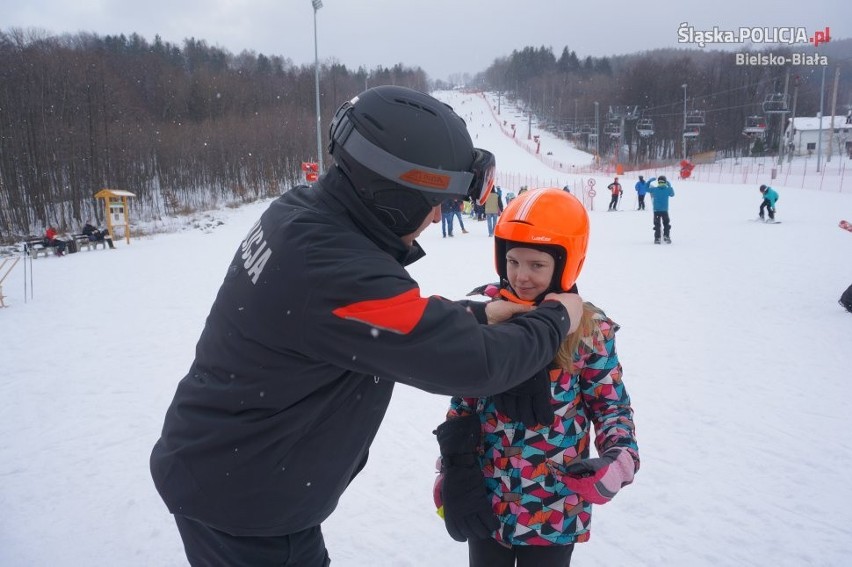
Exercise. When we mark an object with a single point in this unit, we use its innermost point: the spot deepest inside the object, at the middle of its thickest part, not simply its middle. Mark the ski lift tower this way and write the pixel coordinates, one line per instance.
(614, 128)
(616, 117)
(693, 120)
(683, 138)
(645, 129)
(778, 103)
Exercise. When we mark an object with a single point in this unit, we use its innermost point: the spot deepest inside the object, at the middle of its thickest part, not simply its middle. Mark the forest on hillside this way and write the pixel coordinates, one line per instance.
(183, 127)
(194, 126)
(645, 91)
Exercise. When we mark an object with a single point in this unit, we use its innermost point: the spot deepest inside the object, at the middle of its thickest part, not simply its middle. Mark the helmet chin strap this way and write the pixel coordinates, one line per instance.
(508, 294)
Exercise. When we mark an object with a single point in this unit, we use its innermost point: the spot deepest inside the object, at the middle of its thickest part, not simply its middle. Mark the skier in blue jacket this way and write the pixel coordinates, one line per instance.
(770, 196)
(660, 194)
(641, 189)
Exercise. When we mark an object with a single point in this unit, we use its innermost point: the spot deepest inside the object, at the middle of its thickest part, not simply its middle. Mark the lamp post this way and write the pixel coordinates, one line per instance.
(597, 132)
(317, 5)
(683, 135)
(819, 139)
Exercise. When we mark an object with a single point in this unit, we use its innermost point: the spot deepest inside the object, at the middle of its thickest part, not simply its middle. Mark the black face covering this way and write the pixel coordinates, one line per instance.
(401, 210)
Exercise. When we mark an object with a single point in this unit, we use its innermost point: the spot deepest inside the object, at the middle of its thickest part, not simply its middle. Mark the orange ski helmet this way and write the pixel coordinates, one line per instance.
(549, 219)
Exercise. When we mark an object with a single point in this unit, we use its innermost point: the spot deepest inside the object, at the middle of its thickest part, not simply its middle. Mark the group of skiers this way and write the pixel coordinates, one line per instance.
(660, 194)
(663, 190)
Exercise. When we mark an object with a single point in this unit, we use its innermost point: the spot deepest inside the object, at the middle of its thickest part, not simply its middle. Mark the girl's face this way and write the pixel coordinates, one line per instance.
(530, 271)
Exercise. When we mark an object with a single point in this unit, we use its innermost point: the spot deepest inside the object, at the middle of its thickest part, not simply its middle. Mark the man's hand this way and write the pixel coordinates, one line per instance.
(572, 302)
(499, 311)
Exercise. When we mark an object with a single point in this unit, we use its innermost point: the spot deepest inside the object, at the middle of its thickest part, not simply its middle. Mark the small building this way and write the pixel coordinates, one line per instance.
(116, 210)
(802, 136)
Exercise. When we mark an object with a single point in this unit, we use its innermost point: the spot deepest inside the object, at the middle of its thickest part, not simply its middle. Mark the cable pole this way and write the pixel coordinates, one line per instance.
(833, 110)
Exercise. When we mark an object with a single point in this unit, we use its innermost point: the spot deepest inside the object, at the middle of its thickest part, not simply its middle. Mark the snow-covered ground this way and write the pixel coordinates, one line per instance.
(735, 351)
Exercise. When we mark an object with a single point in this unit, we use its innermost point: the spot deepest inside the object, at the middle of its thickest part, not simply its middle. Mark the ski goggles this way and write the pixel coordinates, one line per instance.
(437, 184)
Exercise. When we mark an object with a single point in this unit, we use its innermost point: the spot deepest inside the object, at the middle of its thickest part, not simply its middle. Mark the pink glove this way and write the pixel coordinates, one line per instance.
(598, 480)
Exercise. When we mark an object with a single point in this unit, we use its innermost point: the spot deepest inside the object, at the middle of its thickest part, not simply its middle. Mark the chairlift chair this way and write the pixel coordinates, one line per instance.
(776, 103)
(613, 129)
(755, 126)
(691, 131)
(694, 118)
(645, 127)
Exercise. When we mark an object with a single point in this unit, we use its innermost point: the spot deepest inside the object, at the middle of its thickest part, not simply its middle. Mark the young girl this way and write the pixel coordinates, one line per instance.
(517, 480)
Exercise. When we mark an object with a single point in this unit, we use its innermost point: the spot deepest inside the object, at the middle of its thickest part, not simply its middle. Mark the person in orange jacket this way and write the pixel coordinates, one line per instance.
(617, 191)
(50, 240)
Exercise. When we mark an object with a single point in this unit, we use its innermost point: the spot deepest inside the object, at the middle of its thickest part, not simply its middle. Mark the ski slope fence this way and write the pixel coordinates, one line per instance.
(797, 172)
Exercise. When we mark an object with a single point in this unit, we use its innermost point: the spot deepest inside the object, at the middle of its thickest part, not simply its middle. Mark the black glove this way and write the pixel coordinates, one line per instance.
(529, 402)
(467, 506)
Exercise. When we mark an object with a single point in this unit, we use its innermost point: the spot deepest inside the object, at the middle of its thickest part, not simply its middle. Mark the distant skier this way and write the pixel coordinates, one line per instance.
(660, 195)
(770, 197)
(617, 191)
(641, 189)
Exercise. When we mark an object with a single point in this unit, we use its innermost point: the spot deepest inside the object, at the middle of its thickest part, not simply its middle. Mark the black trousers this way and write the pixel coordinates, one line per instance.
(613, 204)
(641, 202)
(489, 553)
(661, 217)
(209, 547)
(767, 205)
(101, 236)
(59, 244)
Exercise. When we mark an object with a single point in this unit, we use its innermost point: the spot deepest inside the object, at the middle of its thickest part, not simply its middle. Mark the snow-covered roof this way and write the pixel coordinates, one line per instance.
(103, 193)
(812, 122)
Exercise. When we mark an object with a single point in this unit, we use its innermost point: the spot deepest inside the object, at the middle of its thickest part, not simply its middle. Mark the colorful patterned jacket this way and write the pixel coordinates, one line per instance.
(534, 507)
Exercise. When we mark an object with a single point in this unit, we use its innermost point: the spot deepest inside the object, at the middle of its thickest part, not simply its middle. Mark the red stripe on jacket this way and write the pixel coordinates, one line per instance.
(399, 314)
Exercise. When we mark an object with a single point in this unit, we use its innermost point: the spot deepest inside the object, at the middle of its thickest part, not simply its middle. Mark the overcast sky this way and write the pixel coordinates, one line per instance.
(443, 37)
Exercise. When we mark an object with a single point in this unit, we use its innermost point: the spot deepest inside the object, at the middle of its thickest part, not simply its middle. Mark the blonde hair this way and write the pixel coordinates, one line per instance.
(565, 355)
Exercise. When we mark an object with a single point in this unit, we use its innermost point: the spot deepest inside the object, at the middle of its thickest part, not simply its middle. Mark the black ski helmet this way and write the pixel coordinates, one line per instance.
(662, 179)
(763, 188)
(405, 152)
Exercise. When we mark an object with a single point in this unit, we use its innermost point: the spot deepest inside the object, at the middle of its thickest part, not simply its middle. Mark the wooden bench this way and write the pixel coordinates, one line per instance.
(82, 241)
(34, 247)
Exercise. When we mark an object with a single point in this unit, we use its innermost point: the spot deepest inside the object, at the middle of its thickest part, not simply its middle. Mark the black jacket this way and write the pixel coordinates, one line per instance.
(316, 320)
